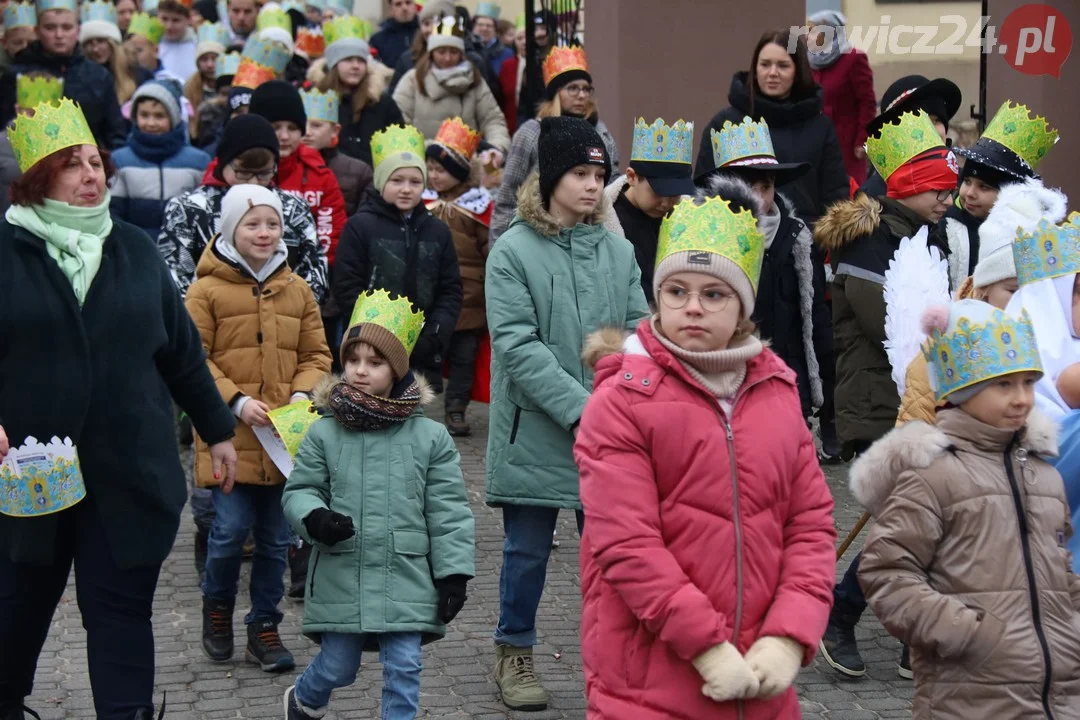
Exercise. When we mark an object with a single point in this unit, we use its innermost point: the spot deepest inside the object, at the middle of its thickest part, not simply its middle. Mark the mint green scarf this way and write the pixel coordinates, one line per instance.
(74, 236)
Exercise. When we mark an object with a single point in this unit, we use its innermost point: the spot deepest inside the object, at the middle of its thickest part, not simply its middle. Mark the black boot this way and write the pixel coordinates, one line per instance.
(456, 424)
(264, 647)
(839, 648)
(298, 566)
(829, 454)
(217, 637)
(295, 711)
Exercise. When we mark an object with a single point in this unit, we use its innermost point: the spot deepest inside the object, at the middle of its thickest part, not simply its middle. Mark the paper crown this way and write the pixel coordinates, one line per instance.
(519, 22)
(714, 227)
(223, 10)
(449, 26)
(146, 26)
(1049, 251)
(273, 15)
(293, 5)
(310, 42)
(251, 74)
(267, 53)
(226, 64)
(19, 14)
(1030, 138)
(44, 486)
(292, 423)
(46, 5)
(971, 351)
(33, 90)
(456, 136)
(747, 143)
(660, 142)
(397, 140)
(97, 10)
(487, 9)
(895, 144)
(53, 126)
(320, 105)
(342, 8)
(214, 33)
(342, 28)
(563, 58)
(395, 315)
(150, 8)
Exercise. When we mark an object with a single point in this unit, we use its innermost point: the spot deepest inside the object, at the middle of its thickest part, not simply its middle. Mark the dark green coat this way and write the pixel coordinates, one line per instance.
(104, 375)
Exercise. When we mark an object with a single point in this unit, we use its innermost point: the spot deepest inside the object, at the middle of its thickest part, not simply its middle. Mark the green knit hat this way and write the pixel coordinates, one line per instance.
(396, 147)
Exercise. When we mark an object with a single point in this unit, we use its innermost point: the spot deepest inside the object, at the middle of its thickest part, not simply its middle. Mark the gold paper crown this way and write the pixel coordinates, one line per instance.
(53, 126)
(273, 16)
(310, 42)
(33, 90)
(895, 144)
(714, 227)
(458, 137)
(342, 28)
(251, 74)
(1030, 138)
(146, 26)
(396, 140)
(395, 315)
(563, 59)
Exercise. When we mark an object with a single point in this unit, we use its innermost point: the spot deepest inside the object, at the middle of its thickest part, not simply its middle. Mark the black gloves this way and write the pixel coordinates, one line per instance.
(428, 351)
(328, 527)
(452, 596)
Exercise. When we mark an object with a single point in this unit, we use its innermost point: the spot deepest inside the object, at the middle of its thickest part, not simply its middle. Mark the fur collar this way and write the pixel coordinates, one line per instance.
(320, 394)
(611, 194)
(846, 221)
(531, 209)
(604, 342)
(915, 446)
(380, 76)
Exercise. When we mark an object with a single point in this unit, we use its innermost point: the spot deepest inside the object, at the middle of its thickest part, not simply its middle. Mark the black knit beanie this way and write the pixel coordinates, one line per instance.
(276, 101)
(243, 133)
(563, 79)
(451, 161)
(565, 143)
(990, 176)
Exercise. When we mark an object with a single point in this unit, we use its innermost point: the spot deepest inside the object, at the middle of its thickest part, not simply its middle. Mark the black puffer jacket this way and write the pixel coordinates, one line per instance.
(380, 249)
(800, 133)
(85, 82)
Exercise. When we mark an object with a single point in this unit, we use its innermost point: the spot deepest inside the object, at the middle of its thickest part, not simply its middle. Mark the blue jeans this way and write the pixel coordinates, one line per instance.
(338, 662)
(254, 509)
(526, 549)
(849, 602)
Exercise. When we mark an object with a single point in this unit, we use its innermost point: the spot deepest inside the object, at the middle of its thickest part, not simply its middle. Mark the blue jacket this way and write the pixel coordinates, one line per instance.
(150, 170)
(393, 40)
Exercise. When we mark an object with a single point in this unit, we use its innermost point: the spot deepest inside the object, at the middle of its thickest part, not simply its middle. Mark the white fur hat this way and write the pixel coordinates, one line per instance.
(1019, 206)
(99, 29)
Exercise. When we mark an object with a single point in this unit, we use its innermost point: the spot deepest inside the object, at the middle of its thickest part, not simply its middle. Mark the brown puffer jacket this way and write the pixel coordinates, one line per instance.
(470, 235)
(266, 343)
(966, 563)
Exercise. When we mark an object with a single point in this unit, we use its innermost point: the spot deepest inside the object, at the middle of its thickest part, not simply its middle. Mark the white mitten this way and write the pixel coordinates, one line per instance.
(726, 674)
(775, 662)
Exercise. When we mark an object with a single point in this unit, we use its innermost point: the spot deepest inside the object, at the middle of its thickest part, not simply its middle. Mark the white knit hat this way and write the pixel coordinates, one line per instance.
(1019, 206)
(99, 29)
(241, 198)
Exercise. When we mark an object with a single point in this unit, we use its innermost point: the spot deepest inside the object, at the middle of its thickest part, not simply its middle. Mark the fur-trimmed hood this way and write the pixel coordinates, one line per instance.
(844, 222)
(380, 76)
(531, 209)
(602, 343)
(611, 194)
(320, 394)
(916, 445)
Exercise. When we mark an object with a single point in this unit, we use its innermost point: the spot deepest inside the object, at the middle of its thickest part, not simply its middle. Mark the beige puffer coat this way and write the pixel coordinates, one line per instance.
(264, 342)
(966, 562)
(475, 105)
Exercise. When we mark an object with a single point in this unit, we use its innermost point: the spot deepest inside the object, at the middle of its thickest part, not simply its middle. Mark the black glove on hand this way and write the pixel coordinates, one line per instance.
(427, 350)
(328, 527)
(452, 596)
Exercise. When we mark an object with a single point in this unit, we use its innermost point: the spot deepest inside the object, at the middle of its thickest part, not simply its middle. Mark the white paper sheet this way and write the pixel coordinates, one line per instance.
(275, 448)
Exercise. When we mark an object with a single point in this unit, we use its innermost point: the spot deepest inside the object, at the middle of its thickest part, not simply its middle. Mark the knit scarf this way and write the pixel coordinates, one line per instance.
(721, 372)
(74, 236)
(358, 410)
(455, 80)
(159, 147)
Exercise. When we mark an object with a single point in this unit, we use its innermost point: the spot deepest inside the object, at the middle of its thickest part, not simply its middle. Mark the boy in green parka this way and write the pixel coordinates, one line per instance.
(377, 490)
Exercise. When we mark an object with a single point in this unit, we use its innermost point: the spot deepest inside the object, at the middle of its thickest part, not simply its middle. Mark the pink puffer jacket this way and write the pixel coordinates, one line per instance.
(697, 531)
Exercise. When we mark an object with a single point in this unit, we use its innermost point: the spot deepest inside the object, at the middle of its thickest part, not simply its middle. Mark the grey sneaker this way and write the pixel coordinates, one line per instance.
(519, 686)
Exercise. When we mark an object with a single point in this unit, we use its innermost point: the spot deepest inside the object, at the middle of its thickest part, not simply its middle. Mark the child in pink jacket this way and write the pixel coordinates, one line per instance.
(707, 559)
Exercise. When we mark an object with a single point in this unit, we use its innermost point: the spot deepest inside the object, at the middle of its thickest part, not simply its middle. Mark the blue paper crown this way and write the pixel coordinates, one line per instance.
(150, 8)
(970, 353)
(748, 143)
(292, 5)
(660, 142)
(321, 105)
(340, 7)
(1049, 252)
(488, 9)
(214, 32)
(50, 482)
(267, 53)
(223, 13)
(98, 10)
(46, 5)
(18, 14)
(226, 64)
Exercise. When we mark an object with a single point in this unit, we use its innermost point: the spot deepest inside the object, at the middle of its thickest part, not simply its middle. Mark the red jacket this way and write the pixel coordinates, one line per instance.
(305, 175)
(680, 554)
(848, 86)
(508, 80)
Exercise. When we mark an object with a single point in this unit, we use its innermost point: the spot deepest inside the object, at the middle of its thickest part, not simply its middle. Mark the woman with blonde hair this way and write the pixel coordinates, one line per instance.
(101, 43)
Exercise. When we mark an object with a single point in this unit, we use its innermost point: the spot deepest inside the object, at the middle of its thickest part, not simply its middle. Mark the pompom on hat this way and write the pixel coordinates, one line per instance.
(1018, 209)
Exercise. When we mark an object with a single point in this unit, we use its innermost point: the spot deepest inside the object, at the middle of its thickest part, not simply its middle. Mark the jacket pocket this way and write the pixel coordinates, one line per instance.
(410, 569)
(403, 467)
(987, 639)
(554, 319)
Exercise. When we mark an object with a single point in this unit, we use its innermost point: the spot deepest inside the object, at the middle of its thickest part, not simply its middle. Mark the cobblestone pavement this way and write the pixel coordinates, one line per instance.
(457, 680)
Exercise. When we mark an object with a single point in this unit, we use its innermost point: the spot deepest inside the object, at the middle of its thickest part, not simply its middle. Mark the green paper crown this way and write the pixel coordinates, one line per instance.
(341, 28)
(34, 90)
(319, 105)
(1030, 138)
(396, 315)
(19, 14)
(713, 227)
(274, 17)
(53, 126)
(397, 140)
(894, 145)
(292, 423)
(146, 26)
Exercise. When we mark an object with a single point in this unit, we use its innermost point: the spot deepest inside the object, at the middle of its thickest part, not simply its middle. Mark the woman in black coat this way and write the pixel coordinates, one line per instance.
(95, 344)
(780, 89)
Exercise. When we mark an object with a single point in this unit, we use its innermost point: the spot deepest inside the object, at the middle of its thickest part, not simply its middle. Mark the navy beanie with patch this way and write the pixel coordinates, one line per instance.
(565, 143)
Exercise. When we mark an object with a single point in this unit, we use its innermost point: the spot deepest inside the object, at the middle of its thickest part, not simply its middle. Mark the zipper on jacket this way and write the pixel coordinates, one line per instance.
(314, 567)
(514, 427)
(1029, 569)
(738, 537)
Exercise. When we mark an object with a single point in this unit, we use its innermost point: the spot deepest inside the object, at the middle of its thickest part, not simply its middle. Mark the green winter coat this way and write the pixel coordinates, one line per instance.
(547, 289)
(403, 488)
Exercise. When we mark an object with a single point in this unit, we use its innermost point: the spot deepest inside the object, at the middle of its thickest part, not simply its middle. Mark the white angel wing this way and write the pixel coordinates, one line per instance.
(917, 278)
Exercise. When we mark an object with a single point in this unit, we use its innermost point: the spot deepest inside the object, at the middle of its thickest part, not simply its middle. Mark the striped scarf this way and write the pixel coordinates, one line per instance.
(358, 410)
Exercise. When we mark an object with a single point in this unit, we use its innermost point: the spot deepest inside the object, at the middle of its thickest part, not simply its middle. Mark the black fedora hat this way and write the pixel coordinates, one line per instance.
(940, 97)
